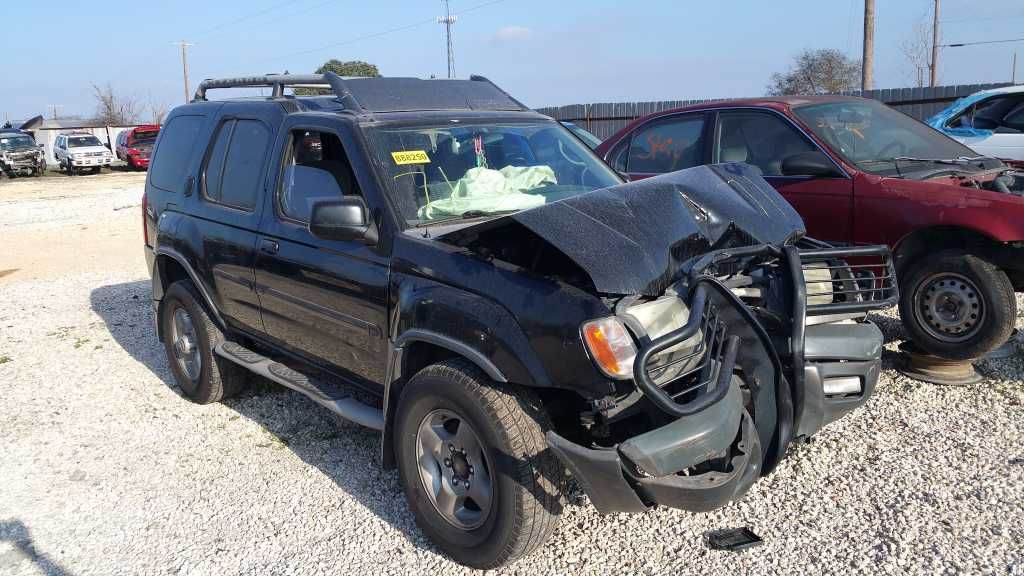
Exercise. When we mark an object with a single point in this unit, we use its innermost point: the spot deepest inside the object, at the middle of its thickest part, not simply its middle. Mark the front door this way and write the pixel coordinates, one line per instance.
(665, 145)
(765, 139)
(324, 300)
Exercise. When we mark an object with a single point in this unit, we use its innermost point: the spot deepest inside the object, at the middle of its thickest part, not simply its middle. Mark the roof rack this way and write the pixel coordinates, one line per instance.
(279, 81)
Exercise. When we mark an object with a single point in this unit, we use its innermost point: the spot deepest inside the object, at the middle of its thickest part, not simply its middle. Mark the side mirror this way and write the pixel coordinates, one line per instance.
(813, 163)
(344, 219)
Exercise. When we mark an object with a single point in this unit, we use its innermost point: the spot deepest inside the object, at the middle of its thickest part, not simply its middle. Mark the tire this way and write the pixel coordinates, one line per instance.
(96, 170)
(212, 378)
(526, 479)
(957, 305)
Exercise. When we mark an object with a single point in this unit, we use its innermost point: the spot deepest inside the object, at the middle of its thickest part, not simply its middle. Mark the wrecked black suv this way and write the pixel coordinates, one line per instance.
(433, 260)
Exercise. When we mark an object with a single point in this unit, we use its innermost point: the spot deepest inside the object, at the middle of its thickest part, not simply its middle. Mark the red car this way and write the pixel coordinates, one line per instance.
(860, 172)
(135, 144)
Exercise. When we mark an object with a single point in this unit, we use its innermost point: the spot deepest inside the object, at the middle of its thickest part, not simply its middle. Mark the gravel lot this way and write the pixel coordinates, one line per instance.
(106, 469)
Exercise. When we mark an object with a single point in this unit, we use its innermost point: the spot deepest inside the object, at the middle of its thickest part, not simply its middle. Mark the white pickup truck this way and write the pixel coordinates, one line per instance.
(81, 150)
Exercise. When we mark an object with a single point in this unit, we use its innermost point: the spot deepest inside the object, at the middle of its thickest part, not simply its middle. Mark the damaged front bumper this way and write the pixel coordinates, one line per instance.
(737, 407)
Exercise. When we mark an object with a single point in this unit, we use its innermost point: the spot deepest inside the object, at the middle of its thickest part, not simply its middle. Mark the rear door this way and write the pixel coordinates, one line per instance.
(232, 183)
(765, 139)
(324, 300)
(664, 145)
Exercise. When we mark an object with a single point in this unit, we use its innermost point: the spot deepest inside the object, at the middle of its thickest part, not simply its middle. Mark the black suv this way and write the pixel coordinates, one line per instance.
(431, 259)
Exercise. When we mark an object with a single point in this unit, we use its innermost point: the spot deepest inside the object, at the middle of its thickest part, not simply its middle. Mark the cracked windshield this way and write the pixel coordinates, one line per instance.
(450, 172)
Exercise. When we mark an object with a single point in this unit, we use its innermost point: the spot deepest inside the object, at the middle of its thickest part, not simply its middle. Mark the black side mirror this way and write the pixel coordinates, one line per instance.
(344, 219)
(813, 163)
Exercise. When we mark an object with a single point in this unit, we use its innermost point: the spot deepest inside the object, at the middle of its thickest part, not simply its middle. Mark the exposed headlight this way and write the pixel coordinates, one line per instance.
(610, 346)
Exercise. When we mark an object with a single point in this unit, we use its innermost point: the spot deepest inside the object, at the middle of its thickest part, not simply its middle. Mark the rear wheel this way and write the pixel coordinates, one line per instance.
(475, 465)
(957, 305)
(189, 339)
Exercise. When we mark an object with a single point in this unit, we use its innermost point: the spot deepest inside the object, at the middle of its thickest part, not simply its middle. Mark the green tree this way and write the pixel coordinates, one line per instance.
(346, 68)
(817, 72)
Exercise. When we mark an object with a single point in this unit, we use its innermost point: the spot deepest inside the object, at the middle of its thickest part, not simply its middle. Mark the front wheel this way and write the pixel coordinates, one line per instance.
(957, 305)
(475, 466)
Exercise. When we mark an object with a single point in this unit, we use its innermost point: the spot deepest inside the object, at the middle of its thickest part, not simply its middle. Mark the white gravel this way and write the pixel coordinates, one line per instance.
(106, 469)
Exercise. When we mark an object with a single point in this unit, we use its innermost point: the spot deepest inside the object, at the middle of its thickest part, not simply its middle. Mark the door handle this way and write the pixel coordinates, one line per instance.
(269, 246)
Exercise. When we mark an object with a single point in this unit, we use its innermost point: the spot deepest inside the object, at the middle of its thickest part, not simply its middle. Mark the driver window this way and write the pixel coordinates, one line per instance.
(763, 140)
(316, 168)
(667, 145)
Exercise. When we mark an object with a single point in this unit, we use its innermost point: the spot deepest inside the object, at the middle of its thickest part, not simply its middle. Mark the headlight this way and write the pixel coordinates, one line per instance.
(610, 346)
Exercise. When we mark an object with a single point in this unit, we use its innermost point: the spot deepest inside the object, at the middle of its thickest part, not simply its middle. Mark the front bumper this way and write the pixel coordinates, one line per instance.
(653, 468)
(22, 164)
(88, 162)
(137, 162)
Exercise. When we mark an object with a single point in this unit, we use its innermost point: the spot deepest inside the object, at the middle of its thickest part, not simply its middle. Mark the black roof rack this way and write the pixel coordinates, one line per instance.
(278, 83)
(380, 94)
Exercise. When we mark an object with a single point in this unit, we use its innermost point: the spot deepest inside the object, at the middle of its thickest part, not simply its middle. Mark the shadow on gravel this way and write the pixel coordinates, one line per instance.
(15, 532)
(346, 453)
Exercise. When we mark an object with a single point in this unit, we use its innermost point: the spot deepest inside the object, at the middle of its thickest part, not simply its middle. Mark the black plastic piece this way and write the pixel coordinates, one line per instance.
(733, 539)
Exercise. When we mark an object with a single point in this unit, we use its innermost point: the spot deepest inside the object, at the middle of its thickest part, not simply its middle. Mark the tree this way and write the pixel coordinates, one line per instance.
(817, 72)
(917, 48)
(346, 68)
(158, 110)
(114, 110)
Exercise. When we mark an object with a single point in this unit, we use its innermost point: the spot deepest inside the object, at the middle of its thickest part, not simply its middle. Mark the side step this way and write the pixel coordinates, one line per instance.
(328, 395)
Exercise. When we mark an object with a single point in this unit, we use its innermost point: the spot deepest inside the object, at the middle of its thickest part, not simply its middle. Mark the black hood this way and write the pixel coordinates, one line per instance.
(637, 238)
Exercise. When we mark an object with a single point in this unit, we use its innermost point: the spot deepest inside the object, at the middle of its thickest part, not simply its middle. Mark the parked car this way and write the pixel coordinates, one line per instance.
(79, 150)
(990, 122)
(135, 144)
(433, 260)
(19, 154)
(860, 172)
(581, 133)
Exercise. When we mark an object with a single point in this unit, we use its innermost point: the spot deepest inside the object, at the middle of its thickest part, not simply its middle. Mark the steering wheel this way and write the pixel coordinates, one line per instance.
(896, 144)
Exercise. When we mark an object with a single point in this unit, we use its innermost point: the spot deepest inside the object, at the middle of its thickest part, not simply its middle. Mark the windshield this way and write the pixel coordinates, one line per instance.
(81, 141)
(14, 141)
(588, 138)
(455, 171)
(874, 137)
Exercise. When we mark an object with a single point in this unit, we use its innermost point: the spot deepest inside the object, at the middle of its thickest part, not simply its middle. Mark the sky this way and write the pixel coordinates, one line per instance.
(543, 52)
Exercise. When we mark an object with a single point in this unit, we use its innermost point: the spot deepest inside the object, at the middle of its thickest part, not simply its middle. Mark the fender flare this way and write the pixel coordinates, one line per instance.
(394, 375)
(180, 259)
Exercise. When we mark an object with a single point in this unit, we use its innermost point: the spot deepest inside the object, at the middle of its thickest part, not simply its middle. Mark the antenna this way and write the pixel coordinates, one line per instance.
(448, 20)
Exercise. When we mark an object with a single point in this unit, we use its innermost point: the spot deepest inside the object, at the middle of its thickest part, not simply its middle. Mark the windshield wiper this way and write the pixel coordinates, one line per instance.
(467, 215)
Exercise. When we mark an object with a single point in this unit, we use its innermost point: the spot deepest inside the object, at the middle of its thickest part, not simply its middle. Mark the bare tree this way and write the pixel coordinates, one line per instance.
(158, 110)
(917, 49)
(113, 109)
(817, 72)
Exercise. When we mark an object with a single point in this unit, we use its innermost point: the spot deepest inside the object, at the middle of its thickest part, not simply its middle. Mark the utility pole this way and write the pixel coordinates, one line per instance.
(867, 63)
(184, 66)
(53, 109)
(935, 46)
(448, 20)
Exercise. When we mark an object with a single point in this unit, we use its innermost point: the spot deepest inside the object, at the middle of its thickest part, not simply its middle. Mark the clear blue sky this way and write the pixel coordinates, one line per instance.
(545, 52)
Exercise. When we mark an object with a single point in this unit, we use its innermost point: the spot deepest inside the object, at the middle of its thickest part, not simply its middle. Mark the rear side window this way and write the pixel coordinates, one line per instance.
(235, 164)
(170, 163)
(667, 145)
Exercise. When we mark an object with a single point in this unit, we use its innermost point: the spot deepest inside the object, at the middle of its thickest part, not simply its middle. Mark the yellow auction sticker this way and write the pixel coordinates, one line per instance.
(411, 157)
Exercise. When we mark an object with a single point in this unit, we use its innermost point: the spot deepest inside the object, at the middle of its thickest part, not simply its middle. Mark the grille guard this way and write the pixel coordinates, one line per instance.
(855, 287)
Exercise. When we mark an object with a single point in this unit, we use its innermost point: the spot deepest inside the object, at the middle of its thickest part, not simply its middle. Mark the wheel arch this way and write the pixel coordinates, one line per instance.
(171, 266)
(936, 238)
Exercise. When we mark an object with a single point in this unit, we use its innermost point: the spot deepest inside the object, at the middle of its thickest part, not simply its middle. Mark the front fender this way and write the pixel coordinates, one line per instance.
(468, 324)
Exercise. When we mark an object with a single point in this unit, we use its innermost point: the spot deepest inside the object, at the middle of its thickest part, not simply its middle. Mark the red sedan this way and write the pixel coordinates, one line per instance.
(860, 172)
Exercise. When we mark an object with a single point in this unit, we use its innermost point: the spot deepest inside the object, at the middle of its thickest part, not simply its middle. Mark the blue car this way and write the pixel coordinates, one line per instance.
(990, 122)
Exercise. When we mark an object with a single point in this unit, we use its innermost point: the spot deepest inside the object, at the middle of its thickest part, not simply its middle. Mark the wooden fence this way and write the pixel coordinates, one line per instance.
(606, 118)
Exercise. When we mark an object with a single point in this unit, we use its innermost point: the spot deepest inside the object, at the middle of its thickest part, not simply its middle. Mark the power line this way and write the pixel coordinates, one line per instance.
(962, 44)
(242, 19)
(276, 19)
(381, 33)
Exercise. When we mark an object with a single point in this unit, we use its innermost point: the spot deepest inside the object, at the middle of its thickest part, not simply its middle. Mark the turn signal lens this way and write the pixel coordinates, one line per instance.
(610, 346)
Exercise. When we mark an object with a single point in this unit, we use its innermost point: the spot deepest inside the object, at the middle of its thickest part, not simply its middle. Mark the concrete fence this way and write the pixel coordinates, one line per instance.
(606, 118)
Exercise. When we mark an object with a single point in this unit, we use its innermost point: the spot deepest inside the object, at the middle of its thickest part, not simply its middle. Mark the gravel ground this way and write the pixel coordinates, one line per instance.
(106, 469)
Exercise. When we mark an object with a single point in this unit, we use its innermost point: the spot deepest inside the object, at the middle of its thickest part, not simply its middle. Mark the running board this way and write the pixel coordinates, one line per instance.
(328, 395)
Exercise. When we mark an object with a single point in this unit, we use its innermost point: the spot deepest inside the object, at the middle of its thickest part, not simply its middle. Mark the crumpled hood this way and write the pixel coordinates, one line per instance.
(637, 238)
